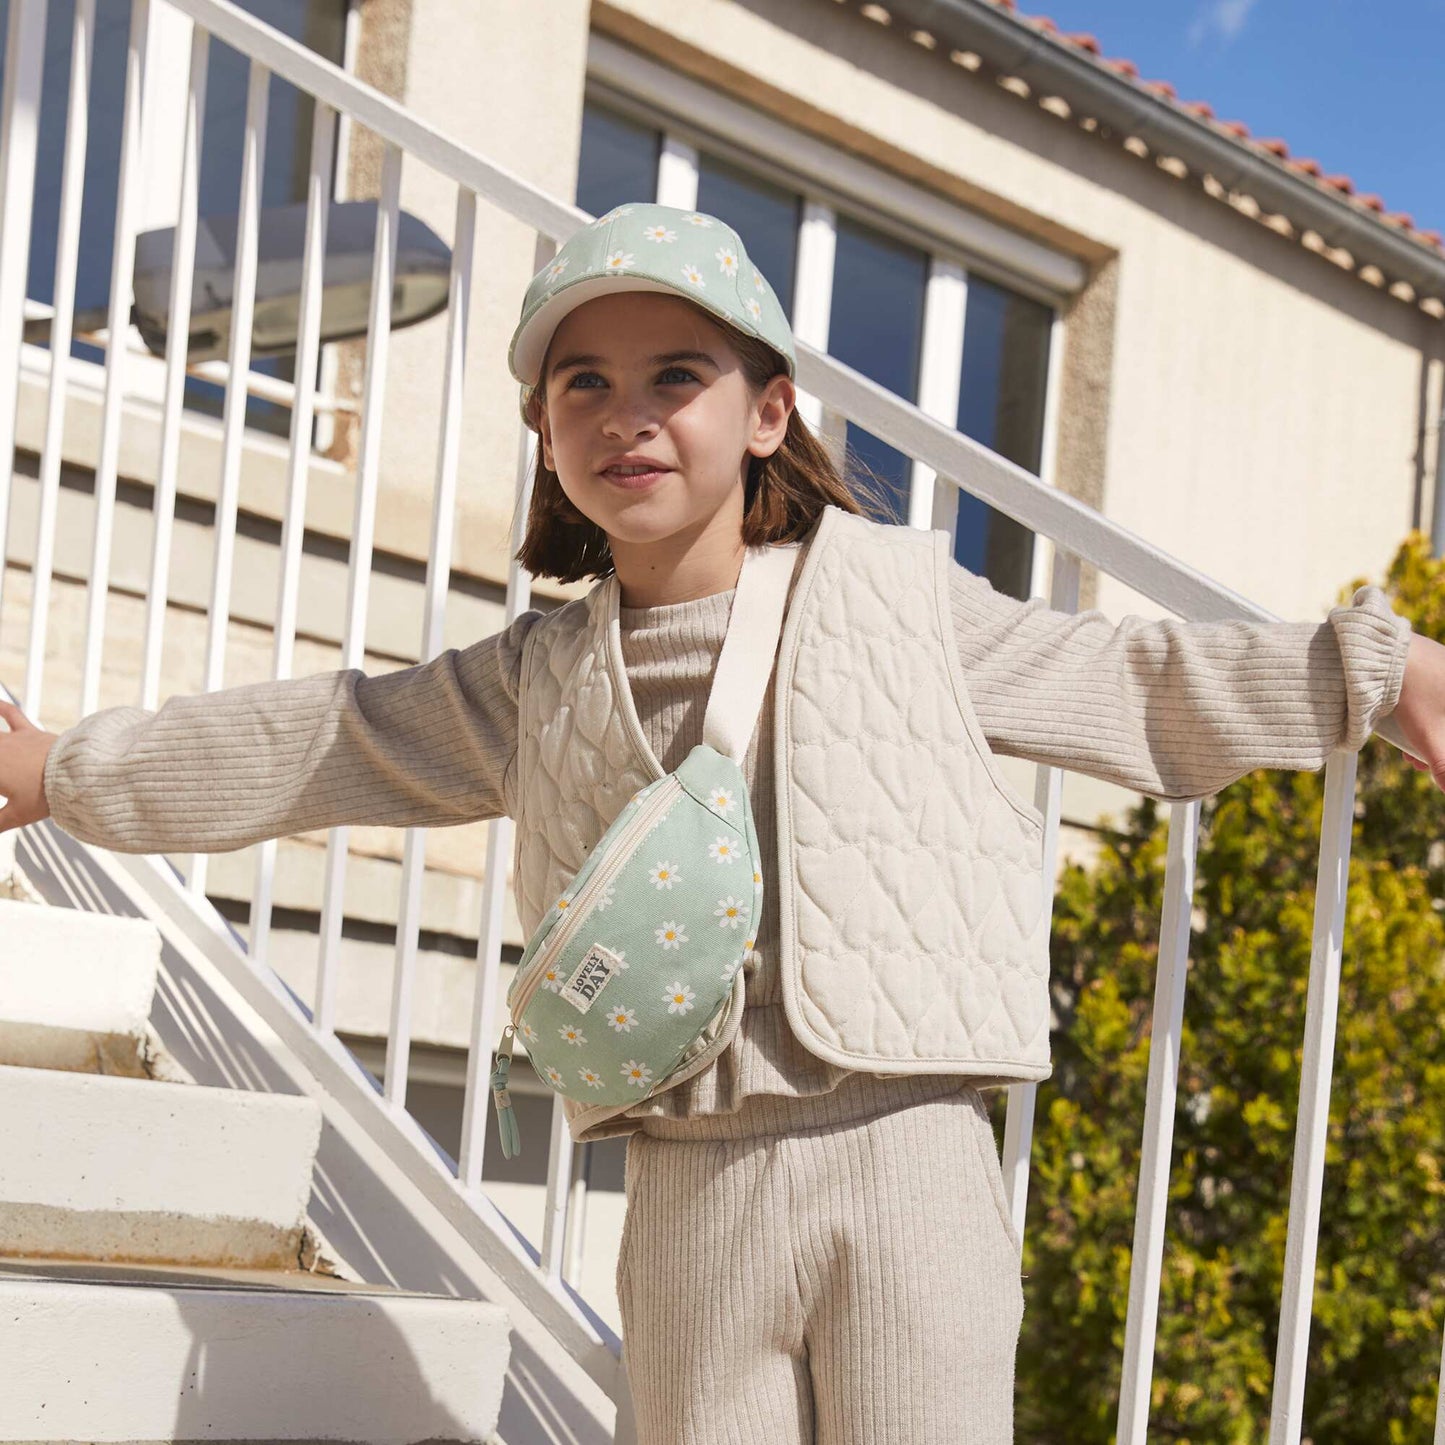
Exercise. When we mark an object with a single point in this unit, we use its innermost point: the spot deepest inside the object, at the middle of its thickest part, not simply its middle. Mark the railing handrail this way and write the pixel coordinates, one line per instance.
(1069, 523)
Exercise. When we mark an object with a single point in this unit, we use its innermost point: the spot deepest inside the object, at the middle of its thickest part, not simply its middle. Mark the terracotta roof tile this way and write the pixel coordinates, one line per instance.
(1339, 184)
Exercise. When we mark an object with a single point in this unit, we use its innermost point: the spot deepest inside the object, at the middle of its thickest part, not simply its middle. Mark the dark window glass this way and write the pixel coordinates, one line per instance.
(318, 24)
(877, 329)
(1001, 404)
(618, 160)
(764, 215)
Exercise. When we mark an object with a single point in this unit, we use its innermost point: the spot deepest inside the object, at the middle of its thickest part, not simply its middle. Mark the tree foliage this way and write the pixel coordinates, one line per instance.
(1380, 1279)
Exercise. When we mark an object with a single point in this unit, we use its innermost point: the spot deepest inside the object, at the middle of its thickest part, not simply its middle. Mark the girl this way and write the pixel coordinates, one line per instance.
(816, 1245)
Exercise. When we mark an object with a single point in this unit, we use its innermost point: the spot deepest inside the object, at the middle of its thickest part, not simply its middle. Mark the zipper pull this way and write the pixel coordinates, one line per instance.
(507, 1130)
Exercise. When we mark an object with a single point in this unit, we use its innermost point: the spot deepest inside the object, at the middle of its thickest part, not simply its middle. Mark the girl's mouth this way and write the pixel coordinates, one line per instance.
(631, 480)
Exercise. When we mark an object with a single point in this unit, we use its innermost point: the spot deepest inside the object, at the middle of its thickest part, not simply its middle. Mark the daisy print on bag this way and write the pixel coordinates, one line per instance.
(723, 851)
(664, 876)
(678, 998)
(573, 1034)
(604, 899)
(671, 936)
(552, 979)
(619, 261)
(554, 1077)
(727, 260)
(529, 1033)
(623, 1019)
(658, 233)
(721, 800)
(636, 1073)
(729, 912)
(590, 1077)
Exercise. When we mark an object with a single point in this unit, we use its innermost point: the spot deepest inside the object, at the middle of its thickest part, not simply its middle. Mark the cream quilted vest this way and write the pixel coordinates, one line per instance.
(914, 918)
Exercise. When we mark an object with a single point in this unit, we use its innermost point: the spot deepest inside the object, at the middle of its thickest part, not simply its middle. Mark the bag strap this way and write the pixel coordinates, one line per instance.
(745, 663)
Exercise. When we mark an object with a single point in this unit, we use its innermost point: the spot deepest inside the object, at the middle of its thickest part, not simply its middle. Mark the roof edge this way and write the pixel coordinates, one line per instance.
(1011, 46)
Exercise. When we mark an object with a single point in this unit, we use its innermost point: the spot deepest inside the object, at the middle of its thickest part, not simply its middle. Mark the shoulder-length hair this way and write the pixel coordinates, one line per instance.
(784, 494)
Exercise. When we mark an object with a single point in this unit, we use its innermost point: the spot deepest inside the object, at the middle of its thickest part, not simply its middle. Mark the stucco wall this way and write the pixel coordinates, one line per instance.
(1263, 407)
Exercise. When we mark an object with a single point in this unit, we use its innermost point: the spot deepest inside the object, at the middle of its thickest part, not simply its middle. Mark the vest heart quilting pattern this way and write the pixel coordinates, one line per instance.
(909, 873)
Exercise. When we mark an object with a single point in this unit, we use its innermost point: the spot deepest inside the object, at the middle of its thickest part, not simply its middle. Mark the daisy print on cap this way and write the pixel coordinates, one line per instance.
(693, 277)
(727, 260)
(723, 851)
(636, 1073)
(671, 936)
(623, 1019)
(619, 261)
(729, 912)
(678, 998)
(757, 280)
(696, 220)
(658, 233)
(754, 310)
(558, 267)
(664, 875)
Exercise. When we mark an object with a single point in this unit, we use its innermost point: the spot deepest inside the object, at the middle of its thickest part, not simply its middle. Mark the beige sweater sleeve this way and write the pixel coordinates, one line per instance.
(1175, 710)
(425, 745)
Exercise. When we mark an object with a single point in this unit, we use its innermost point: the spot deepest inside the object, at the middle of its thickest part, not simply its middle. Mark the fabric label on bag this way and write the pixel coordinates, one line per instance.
(590, 977)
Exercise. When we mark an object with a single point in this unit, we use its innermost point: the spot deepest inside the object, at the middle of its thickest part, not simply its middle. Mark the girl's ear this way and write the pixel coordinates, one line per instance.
(544, 432)
(773, 407)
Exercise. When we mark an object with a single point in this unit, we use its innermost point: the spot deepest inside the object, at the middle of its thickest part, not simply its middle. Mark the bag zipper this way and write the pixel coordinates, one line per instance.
(650, 813)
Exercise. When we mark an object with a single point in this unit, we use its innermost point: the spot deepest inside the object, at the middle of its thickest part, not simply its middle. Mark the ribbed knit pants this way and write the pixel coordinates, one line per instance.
(838, 1269)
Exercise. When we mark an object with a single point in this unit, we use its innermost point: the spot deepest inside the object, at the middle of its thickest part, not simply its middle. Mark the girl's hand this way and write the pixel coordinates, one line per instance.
(1420, 711)
(23, 751)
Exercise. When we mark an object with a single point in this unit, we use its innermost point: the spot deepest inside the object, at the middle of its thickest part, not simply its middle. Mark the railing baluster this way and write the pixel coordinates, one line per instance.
(1312, 1126)
(1152, 1198)
(486, 1006)
(178, 332)
(19, 131)
(62, 323)
(298, 473)
(438, 579)
(233, 422)
(122, 268)
(378, 337)
(1440, 1400)
(1018, 1132)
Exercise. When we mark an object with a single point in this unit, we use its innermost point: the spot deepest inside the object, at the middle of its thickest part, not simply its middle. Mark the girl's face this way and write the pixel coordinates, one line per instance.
(610, 392)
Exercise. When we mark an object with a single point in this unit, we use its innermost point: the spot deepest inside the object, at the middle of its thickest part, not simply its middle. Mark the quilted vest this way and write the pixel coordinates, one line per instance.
(914, 916)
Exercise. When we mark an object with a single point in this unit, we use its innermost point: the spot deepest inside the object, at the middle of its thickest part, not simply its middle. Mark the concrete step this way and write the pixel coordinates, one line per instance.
(102, 1353)
(75, 989)
(94, 1167)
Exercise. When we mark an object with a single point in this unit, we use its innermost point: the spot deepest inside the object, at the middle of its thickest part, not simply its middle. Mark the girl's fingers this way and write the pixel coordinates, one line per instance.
(16, 719)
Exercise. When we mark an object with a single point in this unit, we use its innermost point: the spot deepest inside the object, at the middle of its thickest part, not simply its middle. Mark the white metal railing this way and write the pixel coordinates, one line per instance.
(839, 394)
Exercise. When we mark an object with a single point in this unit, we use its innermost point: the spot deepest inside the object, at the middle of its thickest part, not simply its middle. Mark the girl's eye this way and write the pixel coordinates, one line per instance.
(670, 371)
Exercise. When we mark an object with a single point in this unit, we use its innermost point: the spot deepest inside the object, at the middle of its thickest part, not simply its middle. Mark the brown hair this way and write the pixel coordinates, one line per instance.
(783, 496)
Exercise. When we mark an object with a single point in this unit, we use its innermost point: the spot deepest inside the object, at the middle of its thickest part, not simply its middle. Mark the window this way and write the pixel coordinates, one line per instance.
(869, 290)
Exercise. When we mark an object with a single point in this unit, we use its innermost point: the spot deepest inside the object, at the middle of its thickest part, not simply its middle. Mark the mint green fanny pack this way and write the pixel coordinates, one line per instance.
(624, 982)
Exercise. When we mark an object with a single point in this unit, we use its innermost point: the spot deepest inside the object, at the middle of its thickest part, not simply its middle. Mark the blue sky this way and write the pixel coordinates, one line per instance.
(1355, 85)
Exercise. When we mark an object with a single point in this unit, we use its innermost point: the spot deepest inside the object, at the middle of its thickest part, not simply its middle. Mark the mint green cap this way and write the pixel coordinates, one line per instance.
(642, 246)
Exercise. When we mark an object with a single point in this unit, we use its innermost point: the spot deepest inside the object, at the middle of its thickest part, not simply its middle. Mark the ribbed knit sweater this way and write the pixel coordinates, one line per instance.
(1171, 709)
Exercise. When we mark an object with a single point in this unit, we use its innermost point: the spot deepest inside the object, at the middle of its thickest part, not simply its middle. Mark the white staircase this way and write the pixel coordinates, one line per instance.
(159, 1278)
